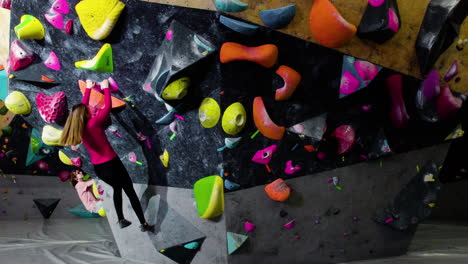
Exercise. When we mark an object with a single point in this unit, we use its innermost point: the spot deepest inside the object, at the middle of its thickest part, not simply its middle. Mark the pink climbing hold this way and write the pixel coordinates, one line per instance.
(52, 108)
(299, 128)
(249, 227)
(114, 87)
(349, 84)
(321, 155)
(61, 6)
(290, 224)
(169, 34)
(64, 176)
(147, 87)
(42, 165)
(20, 56)
(132, 157)
(393, 22)
(173, 127)
(366, 108)
(264, 156)
(290, 169)
(55, 19)
(69, 27)
(376, 3)
(5, 4)
(345, 137)
(366, 70)
(76, 161)
(52, 62)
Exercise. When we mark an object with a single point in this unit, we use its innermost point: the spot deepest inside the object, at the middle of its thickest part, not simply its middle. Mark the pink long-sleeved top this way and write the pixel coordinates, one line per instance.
(84, 190)
(94, 136)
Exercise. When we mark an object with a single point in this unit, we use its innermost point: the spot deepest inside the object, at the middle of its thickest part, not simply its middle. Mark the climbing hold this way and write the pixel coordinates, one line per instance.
(349, 84)
(80, 210)
(290, 224)
(230, 143)
(264, 123)
(98, 17)
(439, 29)
(426, 94)
(329, 28)
(278, 190)
(290, 169)
(291, 80)
(209, 112)
(30, 28)
(177, 89)
(456, 133)
(453, 70)
(165, 158)
(234, 119)
(309, 148)
(278, 17)
(265, 55)
(51, 135)
(173, 127)
(192, 245)
(345, 137)
(46, 206)
(231, 186)
(20, 56)
(55, 19)
(230, 5)
(447, 104)
(5, 4)
(61, 6)
(167, 118)
(264, 156)
(42, 165)
(102, 62)
(76, 162)
(64, 158)
(52, 62)
(249, 227)
(96, 100)
(47, 79)
(238, 26)
(234, 241)
(313, 127)
(356, 74)
(64, 176)
(18, 103)
(52, 108)
(380, 22)
(366, 70)
(283, 213)
(398, 114)
(102, 212)
(69, 27)
(209, 196)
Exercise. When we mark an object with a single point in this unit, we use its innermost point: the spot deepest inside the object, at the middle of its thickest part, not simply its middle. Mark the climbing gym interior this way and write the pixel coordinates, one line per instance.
(253, 131)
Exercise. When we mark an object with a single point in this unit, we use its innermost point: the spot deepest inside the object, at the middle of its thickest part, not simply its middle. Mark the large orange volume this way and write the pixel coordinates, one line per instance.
(328, 26)
(265, 55)
(96, 99)
(263, 121)
(291, 80)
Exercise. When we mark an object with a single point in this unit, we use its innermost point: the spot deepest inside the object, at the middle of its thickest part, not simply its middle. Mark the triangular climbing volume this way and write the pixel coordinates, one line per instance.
(185, 253)
(234, 241)
(46, 206)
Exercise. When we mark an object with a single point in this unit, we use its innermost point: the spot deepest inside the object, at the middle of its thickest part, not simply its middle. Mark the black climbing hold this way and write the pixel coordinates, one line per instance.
(380, 23)
(283, 213)
(46, 206)
(439, 29)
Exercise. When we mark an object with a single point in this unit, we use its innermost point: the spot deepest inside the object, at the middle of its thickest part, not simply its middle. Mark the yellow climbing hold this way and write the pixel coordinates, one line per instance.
(234, 119)
(431, 205)
(51, 135)
(102, 212)
(209, 112)
(165, 158)
(96, 191)
(29, 28)
(102, 62)
(64, 158)
(98, 17)
(177, 89)
(18, 103)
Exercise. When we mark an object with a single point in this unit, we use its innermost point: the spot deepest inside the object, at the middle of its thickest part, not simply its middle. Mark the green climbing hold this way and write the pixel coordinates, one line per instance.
(234, 241)
(102, 62)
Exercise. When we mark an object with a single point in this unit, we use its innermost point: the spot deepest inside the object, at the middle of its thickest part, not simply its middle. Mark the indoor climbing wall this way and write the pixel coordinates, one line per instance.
(199, 93)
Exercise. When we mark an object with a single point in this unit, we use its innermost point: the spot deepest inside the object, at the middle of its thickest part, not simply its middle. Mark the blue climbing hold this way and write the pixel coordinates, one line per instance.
(167, 118)
(238, 26)
(278, 17)
(231, 186)
(231, 5)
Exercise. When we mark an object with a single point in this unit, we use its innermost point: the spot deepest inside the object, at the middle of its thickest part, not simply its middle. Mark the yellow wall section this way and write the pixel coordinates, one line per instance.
(4, 34)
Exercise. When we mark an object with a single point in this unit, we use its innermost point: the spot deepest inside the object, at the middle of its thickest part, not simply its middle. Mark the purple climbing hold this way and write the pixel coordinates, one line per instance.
(452, 71)
(55, 19)
(52, 62)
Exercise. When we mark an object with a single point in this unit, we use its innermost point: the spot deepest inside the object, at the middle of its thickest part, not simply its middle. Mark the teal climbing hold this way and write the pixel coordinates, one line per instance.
(231, 5)
(238, 26)
(234, 241)
(192, 245)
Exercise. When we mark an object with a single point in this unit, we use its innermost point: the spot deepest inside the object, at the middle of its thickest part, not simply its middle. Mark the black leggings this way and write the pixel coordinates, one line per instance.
(113, 172)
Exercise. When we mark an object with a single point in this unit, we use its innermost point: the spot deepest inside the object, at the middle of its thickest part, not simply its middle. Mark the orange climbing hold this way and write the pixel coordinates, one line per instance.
(264, 123)
(328, 26)
(278, 190)
(265, 55)
(97, 99)
(291, 80)
(2, 67)
(46, 79)
(309, 148)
